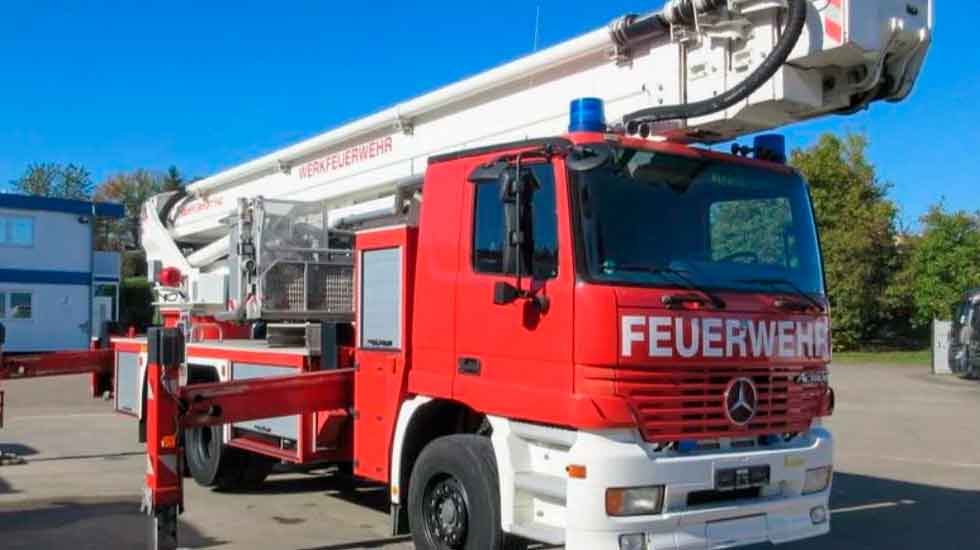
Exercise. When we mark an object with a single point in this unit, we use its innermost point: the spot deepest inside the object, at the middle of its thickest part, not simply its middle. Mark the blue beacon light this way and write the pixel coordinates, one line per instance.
(587, 114)
(770, 147)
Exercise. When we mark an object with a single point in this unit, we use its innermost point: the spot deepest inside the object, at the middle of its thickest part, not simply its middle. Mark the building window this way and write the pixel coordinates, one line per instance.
(16, 231)
(16, 305)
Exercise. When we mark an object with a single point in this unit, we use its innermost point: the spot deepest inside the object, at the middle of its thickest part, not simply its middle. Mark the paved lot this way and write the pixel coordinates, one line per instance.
(908, 476)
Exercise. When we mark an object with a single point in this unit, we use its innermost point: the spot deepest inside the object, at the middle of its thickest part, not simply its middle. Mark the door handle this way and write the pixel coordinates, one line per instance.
(469, 365)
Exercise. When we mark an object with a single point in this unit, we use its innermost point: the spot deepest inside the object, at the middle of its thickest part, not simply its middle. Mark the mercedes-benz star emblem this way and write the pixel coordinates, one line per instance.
(741, 401)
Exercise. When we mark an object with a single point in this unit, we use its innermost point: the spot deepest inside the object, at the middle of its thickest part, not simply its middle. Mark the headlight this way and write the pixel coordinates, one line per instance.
(817, 480)
(634, 501)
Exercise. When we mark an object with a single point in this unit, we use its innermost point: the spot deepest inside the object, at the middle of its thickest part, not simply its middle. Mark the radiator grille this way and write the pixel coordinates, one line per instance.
(684, 403)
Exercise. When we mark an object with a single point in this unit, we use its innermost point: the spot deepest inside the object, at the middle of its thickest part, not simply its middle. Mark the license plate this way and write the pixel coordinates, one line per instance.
(747, 477)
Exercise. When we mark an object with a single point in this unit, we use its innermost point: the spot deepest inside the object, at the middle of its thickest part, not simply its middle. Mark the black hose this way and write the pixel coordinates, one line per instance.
(169, 205)
(794, 29)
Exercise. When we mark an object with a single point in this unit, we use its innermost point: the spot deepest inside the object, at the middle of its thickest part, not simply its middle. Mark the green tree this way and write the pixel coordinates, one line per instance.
(858, 232)
(48, 179)
(75, 182)
(38, 179)
(943, 263)
(133, 263)
(172, 180)
(131, 189)
(135, 303)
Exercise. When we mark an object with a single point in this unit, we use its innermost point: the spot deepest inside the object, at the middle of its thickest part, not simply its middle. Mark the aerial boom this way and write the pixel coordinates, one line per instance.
(755, 64)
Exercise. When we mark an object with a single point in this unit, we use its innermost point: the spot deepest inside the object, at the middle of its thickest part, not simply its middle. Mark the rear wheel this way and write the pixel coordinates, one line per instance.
(454, 497)
(203, 450)
(214, 464)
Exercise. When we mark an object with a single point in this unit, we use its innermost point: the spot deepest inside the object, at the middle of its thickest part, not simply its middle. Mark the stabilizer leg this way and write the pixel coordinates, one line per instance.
(162, 533)
(163, 496)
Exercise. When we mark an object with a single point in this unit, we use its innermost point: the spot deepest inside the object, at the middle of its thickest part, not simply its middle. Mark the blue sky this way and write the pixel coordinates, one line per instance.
(121, 85)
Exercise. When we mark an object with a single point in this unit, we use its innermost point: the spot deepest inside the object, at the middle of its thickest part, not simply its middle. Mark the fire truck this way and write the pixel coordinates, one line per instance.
(538, 304)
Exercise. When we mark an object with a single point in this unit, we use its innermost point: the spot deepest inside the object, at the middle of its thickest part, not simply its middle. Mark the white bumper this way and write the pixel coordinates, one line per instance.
(534, 508)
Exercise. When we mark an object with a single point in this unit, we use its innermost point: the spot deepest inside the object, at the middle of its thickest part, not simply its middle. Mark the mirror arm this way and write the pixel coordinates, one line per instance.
(518, 198)
(517, 239)
(505, 293)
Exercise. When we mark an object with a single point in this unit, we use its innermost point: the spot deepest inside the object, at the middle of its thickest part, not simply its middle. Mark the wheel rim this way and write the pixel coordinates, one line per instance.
(446, 514)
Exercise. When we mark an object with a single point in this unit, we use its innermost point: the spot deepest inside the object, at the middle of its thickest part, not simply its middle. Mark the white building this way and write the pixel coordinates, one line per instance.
(55, 288)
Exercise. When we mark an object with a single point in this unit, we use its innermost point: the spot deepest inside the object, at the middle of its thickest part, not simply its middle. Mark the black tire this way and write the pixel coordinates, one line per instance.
(454, 496)
(213, 464)
(345, 469)
(254, 471)
(204, 453)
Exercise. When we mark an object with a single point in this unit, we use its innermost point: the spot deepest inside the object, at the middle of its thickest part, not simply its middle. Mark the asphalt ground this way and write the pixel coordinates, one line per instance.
(908, 476)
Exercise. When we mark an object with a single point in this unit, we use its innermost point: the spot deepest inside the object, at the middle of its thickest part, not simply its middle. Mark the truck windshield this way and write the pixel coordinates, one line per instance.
(645, 217)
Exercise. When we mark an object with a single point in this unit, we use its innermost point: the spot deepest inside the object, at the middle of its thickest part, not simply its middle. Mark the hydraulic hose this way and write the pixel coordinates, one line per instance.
(682, 11)
(168, 206)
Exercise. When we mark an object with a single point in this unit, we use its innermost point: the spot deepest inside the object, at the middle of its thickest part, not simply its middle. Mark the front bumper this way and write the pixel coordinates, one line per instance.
(780, 513)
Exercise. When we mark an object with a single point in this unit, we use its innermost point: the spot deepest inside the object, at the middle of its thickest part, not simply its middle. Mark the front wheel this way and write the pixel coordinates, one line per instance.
(454, 496)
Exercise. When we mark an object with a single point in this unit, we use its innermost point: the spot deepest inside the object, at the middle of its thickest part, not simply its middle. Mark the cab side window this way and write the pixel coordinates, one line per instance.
(489, 231)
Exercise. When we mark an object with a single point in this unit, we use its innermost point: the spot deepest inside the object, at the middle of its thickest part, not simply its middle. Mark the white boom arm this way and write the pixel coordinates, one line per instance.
(850, 53)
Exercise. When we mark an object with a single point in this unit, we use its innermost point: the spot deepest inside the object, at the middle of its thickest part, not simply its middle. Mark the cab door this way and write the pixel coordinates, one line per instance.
(515, 358)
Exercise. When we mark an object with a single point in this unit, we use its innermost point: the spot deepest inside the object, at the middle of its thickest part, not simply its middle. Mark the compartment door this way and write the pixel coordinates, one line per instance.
(128, 391)
(380, 359)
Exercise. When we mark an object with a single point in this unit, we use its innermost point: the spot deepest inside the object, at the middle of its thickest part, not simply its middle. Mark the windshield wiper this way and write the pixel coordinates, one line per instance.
(787, 283)
(661, 270)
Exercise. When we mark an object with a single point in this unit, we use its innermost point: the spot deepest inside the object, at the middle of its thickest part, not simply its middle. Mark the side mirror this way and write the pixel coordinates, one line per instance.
(588, 157)
(505, 293)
